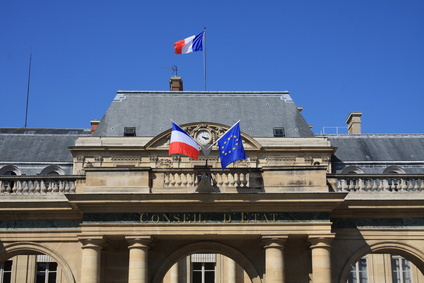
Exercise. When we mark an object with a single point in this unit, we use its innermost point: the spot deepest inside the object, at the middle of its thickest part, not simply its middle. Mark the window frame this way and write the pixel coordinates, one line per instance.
(356, 269)
(3, 271)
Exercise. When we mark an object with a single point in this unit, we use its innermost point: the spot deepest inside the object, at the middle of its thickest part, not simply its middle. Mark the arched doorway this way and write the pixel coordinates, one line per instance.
(206, 268)
(42, 263)
(207, 248)
(385, 262)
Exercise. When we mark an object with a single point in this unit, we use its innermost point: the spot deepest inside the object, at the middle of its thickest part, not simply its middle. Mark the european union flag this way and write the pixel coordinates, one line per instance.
(231, 147)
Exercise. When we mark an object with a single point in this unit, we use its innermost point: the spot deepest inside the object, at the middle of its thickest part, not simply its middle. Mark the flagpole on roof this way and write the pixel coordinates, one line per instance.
(27, 96)
(204, 57)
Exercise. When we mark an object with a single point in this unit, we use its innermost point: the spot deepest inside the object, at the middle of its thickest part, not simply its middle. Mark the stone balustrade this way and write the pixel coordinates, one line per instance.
(219, 178)
(376, 183)
(38, 184)
(234, 178)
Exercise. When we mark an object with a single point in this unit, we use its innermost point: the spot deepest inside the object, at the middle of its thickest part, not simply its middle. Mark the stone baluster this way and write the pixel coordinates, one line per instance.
(43, 188)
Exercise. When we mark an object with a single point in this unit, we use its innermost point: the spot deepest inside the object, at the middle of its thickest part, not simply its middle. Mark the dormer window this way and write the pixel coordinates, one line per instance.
(393, 170)
(52, 170)
(129, 132)
(279, 132)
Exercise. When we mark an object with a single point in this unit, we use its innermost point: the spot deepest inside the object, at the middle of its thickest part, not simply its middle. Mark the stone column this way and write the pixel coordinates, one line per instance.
(230, 270)
(137, 271)
(321, 259)
(90, 263)
(274, 258)
(174, 273)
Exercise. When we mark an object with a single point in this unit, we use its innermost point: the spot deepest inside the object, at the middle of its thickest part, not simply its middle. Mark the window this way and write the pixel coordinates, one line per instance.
(6, 272)
(359, 272)
(352, 170)
(9, 170)
(129, 131)
(52, 170)
(46, 269)
(203, 272)
(279, 132)
(203, 268)
(393, 170)
(401, 270)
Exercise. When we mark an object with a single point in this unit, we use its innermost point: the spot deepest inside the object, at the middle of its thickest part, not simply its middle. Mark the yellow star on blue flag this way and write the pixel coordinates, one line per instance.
(231, 147)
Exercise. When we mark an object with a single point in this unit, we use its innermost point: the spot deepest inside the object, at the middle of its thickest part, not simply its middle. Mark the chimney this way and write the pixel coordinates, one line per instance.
(354, 123)
(94, 124)
(176, 83)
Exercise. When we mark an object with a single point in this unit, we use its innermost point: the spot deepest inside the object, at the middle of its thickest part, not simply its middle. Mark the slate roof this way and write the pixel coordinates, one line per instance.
(51, 131)
(46, 145)
(378, 147)
(151, 112)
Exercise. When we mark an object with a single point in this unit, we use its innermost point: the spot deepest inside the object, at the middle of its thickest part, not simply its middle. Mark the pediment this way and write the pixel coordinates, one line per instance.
(161, 141)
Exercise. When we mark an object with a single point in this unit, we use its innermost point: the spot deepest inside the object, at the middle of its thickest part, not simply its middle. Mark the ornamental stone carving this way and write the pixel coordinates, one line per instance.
(279, 160)
(164, 163)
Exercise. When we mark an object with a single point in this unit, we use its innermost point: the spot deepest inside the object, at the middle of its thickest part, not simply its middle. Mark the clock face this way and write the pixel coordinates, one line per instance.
(203, 137)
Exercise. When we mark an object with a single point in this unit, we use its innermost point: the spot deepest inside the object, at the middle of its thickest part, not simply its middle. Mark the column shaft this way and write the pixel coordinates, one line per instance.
(138, 269)
(90, 264)
(174, 273)
(321, 260)
(230, 270)
(274, 259)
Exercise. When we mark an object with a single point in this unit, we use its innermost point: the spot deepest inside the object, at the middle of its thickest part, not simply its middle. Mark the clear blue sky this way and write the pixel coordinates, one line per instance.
(334, 57)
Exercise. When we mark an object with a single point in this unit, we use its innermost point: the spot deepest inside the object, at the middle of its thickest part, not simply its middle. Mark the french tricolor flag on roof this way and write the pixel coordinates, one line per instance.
(182, 143)
(190, 44)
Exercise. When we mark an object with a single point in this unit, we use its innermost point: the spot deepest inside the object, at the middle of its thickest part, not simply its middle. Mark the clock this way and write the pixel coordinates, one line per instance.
(203, 137)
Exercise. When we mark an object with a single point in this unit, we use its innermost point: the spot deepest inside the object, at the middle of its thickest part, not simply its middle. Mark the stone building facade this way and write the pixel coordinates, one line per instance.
(108, 204)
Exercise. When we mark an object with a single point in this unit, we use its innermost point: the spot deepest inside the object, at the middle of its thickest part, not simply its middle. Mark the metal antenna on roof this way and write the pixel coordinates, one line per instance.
(174, 70)
(27, 96)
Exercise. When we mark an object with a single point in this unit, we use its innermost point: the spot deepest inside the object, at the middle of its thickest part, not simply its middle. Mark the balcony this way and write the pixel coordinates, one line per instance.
(234, 178)
(230, 180)
(178, 178)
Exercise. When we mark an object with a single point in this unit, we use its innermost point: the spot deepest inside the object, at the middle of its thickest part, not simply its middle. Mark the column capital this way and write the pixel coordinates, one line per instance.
(320, 241)
(94, 242)
(139, 241)
(273, 241)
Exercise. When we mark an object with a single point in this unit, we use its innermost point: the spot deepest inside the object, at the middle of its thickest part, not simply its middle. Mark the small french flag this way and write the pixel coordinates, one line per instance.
(182, 143)
(190, 44)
